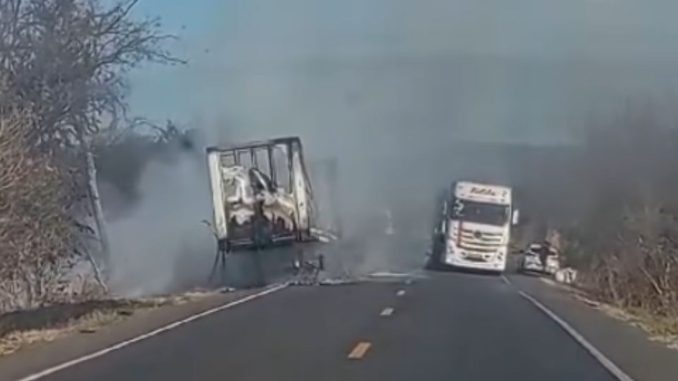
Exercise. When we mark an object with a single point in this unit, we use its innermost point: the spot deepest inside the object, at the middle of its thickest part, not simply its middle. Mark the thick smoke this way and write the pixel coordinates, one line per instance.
(401, 93)
(160, 244)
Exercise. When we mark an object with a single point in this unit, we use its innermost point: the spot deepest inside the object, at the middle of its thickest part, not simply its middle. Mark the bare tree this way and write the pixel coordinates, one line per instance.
(66, 61)
(37, 236)
(69, 60)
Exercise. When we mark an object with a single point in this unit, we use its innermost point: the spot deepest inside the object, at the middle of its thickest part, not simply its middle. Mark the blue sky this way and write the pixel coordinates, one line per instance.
(346, 70)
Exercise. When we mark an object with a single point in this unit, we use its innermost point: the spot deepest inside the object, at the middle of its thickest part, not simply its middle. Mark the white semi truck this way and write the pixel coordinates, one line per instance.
(474, 228)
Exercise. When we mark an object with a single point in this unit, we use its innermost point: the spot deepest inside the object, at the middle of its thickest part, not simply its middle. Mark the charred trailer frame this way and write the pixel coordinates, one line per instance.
(261, 194)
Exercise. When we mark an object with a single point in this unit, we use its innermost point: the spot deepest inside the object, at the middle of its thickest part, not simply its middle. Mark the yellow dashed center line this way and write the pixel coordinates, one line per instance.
(359, 350)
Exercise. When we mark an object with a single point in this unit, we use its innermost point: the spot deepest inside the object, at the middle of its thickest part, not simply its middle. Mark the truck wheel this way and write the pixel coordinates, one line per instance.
(432, 264)
(433, 261)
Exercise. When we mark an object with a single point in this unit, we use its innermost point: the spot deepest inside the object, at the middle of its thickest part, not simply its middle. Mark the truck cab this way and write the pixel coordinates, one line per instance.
(475, 228)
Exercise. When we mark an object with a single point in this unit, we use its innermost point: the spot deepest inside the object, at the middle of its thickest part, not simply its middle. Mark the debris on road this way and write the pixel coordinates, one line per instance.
(388, 274)
(566, 275)
(336, 282)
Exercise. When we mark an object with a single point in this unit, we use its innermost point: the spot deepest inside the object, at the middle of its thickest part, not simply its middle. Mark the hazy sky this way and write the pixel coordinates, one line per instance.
(404, 70)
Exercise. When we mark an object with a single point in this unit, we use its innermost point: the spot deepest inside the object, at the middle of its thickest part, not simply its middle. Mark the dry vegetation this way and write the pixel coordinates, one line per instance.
(22, 328)
(16, 340)
(63, 87)
(616, 205)
(63, 82)
(37, 233)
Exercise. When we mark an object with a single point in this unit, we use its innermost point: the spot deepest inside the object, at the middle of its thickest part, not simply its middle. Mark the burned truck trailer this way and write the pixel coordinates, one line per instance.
(261, 194)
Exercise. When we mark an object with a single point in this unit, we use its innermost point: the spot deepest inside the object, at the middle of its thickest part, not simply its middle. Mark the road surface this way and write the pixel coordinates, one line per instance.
(449, 326)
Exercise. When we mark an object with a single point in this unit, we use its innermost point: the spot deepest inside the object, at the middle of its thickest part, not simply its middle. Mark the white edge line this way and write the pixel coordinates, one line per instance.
(598, 355)
(155, 332)
(506, 280)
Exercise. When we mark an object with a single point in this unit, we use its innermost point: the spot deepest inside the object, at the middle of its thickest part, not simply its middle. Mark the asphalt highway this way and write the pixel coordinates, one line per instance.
(446, 326)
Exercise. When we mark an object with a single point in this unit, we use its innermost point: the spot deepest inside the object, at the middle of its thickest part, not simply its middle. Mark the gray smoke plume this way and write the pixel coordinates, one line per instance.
(399, 92)
(161, 244)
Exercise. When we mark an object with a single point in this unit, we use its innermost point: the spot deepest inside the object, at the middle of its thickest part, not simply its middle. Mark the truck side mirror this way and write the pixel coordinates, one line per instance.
(515, 217)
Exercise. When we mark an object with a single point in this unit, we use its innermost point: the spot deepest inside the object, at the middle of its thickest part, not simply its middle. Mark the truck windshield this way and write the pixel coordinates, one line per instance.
(480, 212)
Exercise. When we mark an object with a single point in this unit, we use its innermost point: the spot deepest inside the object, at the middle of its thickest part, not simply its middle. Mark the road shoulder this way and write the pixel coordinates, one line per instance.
(37, 357)
(627, 346)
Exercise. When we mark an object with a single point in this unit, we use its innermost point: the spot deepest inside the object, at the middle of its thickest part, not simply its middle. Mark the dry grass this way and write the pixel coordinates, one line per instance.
(178, 299)
(87, 324)
(16, 340)
(664, 330)
(37, 233)
(95, 320)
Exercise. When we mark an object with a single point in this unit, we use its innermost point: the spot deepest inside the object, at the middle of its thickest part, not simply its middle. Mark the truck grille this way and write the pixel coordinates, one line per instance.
(480, 242)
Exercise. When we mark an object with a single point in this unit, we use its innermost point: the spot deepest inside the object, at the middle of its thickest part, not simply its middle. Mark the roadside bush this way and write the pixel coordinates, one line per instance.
(638, 267)
(615, 203)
